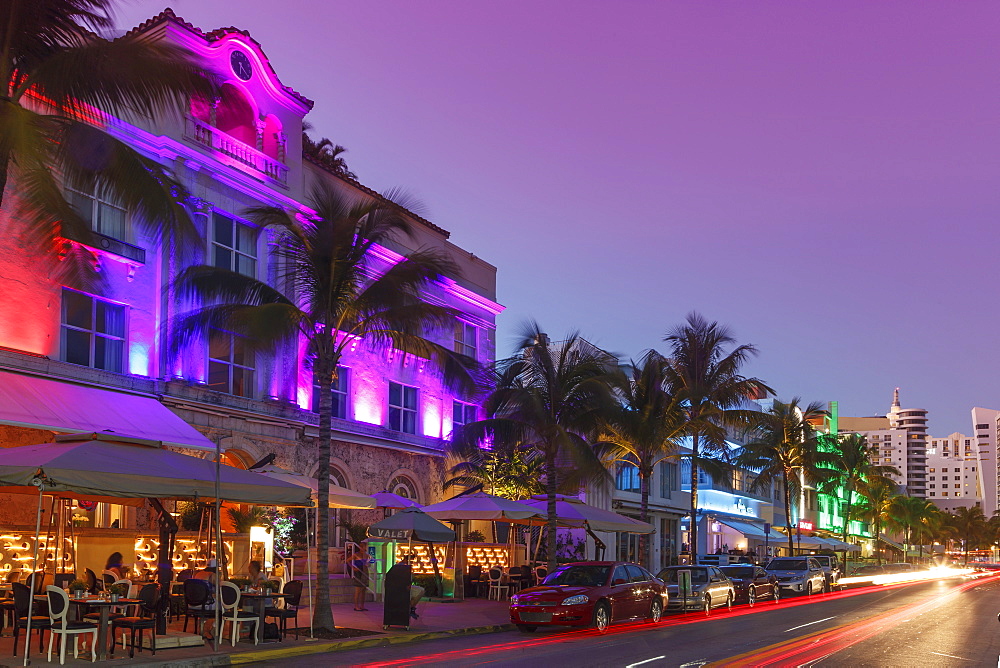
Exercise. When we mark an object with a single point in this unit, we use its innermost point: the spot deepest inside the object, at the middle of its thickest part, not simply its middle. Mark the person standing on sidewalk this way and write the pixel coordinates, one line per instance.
(359, 576)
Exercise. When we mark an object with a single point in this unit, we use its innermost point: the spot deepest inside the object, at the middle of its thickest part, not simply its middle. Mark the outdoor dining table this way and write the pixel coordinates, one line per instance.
(104, 608)
(258, 600)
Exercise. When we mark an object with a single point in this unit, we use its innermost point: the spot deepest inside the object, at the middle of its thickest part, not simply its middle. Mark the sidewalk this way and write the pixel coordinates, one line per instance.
(437, 620)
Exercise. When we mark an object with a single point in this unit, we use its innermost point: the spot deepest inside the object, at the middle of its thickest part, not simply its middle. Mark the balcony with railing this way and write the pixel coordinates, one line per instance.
(260, 164)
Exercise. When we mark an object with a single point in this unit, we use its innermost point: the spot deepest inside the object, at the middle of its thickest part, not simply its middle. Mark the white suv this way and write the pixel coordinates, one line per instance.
(800, 575)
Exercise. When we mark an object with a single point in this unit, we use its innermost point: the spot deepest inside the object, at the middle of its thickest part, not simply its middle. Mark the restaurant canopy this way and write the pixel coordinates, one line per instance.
(572, 512)
(481, 506)
(411, 523)
(112, 465)
(43, 403)
(340, 497)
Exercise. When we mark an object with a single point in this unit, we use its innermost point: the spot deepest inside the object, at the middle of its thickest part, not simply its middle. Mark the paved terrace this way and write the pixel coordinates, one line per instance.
(437, 619)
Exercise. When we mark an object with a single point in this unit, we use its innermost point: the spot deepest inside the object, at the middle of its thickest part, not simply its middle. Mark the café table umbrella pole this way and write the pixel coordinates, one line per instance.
(309, 576)
(40, 482)
(218, 545)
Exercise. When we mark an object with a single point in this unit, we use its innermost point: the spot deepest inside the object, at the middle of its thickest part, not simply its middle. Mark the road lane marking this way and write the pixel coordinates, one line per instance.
(702, 662)
(802, 626)
(951, 656)
(639, 663)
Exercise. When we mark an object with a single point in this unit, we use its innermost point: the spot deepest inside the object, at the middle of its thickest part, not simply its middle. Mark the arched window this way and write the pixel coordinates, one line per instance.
(403, 486)
(337, 477)
(234, 116)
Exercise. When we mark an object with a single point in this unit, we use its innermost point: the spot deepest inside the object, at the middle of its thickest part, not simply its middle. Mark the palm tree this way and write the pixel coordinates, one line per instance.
(325, 152)
(551, 397)
(877, 495)
(645, 429)
(852, 465)
(905, 514)
(929, 528)
(782, 447)
(706, 379)
(510, 472)
(970, 526)
(332, 298)
(62, 76)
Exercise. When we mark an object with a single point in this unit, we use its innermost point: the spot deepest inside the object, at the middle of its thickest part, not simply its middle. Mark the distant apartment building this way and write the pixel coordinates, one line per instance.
(984, 423)
(953, 472)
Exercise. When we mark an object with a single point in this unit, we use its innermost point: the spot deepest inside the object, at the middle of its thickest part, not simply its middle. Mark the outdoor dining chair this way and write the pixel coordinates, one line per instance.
(92, 582)
(197, 596)
(294, 591)
(231, 613)
(149, 594)
(60, 624)
(23, 602)
(497, 585)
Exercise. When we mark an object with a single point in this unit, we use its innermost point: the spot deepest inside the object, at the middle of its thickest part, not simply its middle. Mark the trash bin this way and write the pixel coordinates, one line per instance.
(396, 597)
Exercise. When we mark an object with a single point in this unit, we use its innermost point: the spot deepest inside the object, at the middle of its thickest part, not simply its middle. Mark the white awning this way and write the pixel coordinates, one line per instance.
(43, 403)
(747, 529)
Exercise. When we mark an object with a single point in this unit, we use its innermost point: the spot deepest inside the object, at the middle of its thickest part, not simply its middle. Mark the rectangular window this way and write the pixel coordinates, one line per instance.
(230, 364)
(669, 479)
(466, 338)
(101, 211)
(234, 245)
(462, 413)
(627, 477)
(92, 331)
(339, 407)
(982, 426)
(403, 408)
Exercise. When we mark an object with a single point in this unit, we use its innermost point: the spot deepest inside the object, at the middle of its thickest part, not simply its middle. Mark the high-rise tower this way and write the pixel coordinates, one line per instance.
(914, 422)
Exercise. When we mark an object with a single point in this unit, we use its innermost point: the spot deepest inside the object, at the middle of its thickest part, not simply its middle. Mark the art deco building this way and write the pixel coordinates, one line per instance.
(78, 361)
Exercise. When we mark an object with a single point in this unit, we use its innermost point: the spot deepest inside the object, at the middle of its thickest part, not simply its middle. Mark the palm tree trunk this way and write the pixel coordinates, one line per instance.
(878, 535)
(788, 514)
(550, 524)
(847, 523)
(644, 476)
(323, 615)
(693, 532)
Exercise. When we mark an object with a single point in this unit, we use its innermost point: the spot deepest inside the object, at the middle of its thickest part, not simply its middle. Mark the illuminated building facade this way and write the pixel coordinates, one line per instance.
(953, 471)
(242, 150)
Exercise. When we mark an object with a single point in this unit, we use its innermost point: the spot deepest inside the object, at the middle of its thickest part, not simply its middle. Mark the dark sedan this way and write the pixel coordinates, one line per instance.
(752, 583)
(590, 593)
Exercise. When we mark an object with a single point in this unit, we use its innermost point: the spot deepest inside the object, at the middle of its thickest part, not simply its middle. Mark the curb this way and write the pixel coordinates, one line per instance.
(321, 647)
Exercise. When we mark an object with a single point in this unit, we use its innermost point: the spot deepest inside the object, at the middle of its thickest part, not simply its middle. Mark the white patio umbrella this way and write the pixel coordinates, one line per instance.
(481, 506)
(572, 512)
(393, 501)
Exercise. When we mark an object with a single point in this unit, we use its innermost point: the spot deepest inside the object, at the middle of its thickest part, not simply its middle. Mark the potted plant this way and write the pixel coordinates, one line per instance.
(77, 587)
(242, 583)
(117, 590)
(271, 586)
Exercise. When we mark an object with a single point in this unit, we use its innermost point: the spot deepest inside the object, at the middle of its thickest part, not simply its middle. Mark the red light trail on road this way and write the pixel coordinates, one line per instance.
(667, 622)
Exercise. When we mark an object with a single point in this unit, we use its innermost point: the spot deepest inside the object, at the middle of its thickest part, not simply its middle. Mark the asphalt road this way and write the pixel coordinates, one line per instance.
(949, 622)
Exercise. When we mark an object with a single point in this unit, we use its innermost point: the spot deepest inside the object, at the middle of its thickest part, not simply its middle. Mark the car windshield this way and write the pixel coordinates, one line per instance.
(788, 565)
(738, 571)
(579, 576)
(698, 575)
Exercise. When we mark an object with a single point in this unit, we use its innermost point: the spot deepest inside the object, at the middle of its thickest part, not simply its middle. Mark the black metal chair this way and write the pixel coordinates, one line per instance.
(23, 602)
(146, 619)
(474, 580)
(294, 591)
(7, 603)
(197, 598)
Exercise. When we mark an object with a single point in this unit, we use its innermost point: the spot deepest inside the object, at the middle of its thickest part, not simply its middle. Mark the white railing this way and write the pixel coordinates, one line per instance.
(215, 139)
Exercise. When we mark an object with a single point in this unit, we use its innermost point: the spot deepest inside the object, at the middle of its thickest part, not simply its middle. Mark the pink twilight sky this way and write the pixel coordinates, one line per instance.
(824, 177)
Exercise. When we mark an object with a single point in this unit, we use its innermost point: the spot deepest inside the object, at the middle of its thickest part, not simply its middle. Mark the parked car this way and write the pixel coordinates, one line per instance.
(831, 569)
(870, 570)
(900, 568)
(801, 575)
(589, 593)
(752, 583)
(710, 588)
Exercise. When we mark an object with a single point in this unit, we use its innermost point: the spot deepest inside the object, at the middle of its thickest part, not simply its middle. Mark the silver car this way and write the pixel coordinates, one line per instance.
(800, 575)
(710, 588)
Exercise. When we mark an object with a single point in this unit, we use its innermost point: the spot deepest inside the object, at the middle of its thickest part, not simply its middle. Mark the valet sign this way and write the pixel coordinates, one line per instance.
(389, 534)
(806, 525)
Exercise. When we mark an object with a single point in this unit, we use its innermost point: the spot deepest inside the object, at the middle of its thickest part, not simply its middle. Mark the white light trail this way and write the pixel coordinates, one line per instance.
(802, 626)
(639, 663)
